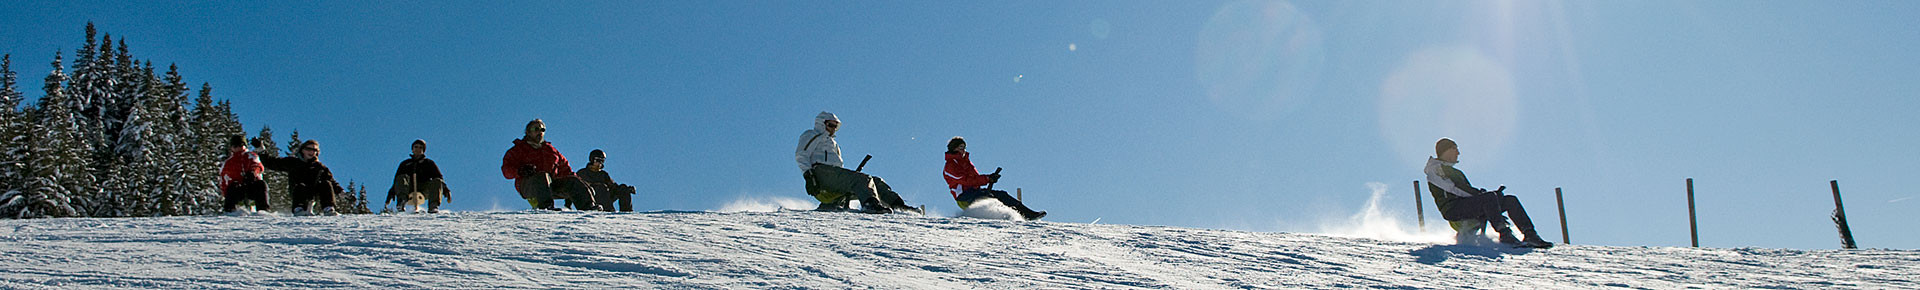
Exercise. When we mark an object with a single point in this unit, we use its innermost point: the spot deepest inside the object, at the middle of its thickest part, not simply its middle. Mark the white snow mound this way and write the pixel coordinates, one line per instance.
(799, 249)
(990, 209)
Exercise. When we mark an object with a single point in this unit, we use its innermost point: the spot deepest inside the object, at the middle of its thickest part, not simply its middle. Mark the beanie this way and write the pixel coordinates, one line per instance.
(955, 143)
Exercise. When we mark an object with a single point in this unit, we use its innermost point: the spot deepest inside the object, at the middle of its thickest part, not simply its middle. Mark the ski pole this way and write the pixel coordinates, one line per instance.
(863, 163)
(996, 170)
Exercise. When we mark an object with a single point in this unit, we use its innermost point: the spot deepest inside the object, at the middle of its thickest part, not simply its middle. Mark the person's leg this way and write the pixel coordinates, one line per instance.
(579, 195)
(432, 189)
(626, 198)
(538, 190)
(887, 196)
(257, 191)
(1011, 202)
(852, 185)
(325, 196)
(302, 199)
(1484, 207)
(233, 198)
(1518, 214)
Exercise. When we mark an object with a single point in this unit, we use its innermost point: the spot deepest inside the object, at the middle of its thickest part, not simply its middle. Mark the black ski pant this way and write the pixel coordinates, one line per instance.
(617, 196)
(540, 191)
(1489, 207)
(247, 190)
(841, 185)
(977, 194)
(434, 190)
(309, 193)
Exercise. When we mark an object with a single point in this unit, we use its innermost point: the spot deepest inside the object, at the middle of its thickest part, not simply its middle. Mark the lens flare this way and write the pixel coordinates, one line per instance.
(1454, 92)
(1258, 60)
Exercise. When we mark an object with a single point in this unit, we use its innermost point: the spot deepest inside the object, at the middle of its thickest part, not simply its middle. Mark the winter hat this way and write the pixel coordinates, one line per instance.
(824, 117)
(955, 143)
(236, 141)
(1443, 145)
(420, 142)
(597, 155)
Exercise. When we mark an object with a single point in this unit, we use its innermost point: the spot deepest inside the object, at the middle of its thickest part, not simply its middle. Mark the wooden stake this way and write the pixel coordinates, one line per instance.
(1693, 224)
(1419, 210)
(1840, 218)
(1557, 199)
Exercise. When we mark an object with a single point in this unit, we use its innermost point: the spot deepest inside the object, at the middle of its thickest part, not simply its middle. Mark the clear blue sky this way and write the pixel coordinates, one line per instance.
(1263, 116)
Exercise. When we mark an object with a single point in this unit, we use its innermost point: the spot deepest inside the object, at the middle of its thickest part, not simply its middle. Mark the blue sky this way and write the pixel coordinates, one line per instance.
(1262, 116)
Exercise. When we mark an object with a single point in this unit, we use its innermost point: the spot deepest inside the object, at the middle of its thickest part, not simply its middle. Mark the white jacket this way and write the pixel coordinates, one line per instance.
(817, 146)
(1434, 177)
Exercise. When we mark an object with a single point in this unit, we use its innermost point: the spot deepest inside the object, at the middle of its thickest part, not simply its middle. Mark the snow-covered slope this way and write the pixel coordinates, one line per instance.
(843, 250)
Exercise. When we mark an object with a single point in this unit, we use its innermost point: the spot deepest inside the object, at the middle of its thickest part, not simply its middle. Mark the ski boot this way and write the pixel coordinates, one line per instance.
(1534, 242)
(874, 206)
(1034, 215)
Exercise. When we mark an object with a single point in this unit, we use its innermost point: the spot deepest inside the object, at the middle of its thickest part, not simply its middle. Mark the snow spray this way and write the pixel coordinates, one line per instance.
(1376, 223)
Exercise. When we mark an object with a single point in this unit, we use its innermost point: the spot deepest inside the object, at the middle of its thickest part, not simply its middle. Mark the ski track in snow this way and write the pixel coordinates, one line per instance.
(796, 249)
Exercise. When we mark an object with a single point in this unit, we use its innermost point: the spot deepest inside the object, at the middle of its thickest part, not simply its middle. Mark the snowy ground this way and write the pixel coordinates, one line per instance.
(844, 250)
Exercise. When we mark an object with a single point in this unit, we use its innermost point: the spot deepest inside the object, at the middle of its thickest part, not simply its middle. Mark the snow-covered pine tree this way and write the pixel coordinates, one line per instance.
(176, 154)
(12, 132)
(360, 206)
(118, 146)
(141, 148)
(50, 159)
(208, 150)
(345, 200)
(93, 81)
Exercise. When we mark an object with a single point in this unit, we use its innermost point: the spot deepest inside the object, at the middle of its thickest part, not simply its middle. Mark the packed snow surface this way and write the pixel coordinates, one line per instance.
(794, 249)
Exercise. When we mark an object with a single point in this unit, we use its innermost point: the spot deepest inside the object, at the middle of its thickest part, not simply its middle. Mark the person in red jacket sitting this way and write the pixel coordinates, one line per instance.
(541, 174)
(968, 185)
(240, 177)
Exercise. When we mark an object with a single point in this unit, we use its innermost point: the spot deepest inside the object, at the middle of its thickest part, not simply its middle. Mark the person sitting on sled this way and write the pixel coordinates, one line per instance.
(968, 185)
(1459, 201)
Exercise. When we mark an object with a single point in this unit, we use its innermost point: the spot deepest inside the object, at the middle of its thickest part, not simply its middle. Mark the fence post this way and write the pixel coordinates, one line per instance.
(1693, 224)
(1019, 195)
(1840, 218)
(1419, 210)
(1563, 215)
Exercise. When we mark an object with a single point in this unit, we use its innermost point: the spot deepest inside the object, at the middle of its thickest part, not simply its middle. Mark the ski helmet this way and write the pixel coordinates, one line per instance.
(597, 155)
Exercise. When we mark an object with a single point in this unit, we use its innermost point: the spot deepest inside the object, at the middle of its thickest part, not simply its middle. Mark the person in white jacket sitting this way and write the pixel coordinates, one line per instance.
(834, 185)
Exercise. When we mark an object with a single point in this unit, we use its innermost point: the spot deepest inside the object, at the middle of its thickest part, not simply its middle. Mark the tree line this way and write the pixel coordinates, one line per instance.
(113, 138)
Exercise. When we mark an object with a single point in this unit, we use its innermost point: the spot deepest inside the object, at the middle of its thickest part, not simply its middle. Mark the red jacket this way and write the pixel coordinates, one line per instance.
(236, 165)
(543, 158)
(961, 176)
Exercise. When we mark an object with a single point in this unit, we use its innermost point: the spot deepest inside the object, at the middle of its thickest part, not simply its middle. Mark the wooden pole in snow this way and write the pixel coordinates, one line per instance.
(1563, 215)
(1022, 196)
(1419, 210)
(1840, 218)
(1693, 224)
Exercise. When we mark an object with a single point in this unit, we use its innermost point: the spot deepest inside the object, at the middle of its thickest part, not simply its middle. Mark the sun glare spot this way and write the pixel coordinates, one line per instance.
(1455, 92)
(1258, 60)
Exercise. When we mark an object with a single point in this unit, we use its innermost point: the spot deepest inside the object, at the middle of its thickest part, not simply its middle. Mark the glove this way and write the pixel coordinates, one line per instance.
(993, 178)
(528, 170)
